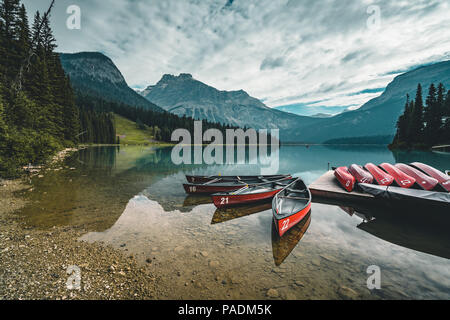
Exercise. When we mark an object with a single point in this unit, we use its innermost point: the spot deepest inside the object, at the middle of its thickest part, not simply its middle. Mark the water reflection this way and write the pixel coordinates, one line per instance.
(236, 212)
(283, 246)
(409, 229)
(196, 200)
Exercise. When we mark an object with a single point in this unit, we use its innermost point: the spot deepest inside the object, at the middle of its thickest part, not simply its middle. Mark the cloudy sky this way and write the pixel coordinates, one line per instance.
(316, 53)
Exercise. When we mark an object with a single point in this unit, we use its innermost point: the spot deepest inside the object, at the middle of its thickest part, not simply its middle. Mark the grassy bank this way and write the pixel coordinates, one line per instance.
(131, 133)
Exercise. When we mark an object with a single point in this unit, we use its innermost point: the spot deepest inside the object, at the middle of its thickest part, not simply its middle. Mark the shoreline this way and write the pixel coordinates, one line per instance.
(34, 263)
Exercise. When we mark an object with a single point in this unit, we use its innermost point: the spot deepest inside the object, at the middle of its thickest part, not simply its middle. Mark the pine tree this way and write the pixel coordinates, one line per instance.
(48, 40)
(9, 18)
(401, 137)
(430, 103)
(23, 32)
(416, 122)
(35, 32)
(434, 113)
(9, 12)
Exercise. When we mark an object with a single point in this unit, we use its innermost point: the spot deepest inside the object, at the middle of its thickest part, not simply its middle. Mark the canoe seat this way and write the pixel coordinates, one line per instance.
(293, 198)
(295, 191)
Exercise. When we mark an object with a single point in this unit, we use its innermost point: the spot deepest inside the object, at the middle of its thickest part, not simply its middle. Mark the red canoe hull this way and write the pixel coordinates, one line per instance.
(221, 201)
(442, 178)
(361, 175)
(287, 223)
(401, 179)
(425, 182)
(381, 177)
(209, 189)
(344, 177)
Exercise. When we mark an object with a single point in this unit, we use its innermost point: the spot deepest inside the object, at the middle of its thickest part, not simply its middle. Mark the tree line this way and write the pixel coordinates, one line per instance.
(161, 123)
(424, 124)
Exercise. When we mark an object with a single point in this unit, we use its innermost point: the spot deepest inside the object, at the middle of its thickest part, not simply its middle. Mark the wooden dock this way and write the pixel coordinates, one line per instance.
(443, 148)
(327, 187)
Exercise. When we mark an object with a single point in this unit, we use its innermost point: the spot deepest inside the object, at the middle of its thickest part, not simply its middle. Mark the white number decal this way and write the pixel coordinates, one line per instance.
(193, 189)
(224, 201)
(405, 182)
(285, 225)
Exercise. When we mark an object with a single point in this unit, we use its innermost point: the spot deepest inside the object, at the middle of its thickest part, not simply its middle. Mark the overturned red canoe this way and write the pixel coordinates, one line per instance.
(361, 175)
(442, 178)
(425, 182)
(344, 177)
(380, 176)
(290, 206)
(401, 179)
(249, 194)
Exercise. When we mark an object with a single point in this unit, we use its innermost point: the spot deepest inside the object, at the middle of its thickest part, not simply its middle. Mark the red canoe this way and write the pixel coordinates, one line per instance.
(344, 177)
(290, 206)
(203, 179)
(401, 179)
(361, 175)
(442, 178)
(424, 181)
(381, 177)
(219, 185)
(249, 194)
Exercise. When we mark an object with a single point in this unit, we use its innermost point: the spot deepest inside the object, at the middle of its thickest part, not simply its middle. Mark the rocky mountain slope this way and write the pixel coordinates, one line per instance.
(95, 74)
(184, 95)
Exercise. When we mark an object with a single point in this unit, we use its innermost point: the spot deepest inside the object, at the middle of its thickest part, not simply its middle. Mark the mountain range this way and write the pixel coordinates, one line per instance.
(96, 74)
(184, 95)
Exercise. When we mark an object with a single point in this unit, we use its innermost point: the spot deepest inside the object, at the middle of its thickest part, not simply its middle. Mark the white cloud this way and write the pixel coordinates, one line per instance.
(281, 51)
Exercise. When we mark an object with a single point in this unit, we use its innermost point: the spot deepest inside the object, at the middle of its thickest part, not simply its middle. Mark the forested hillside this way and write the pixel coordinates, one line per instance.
(38, 114)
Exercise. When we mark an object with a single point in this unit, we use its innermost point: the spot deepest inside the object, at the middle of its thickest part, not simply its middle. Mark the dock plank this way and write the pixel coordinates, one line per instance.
(328, 187)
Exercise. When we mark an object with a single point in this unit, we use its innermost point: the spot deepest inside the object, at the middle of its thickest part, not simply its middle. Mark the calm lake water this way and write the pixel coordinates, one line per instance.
(132, 198)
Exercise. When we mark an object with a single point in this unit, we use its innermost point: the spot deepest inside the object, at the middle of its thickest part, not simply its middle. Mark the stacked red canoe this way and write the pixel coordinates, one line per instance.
(415, 176)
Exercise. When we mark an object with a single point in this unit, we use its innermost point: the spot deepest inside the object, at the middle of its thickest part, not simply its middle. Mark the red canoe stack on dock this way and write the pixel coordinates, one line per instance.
(415, 176)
